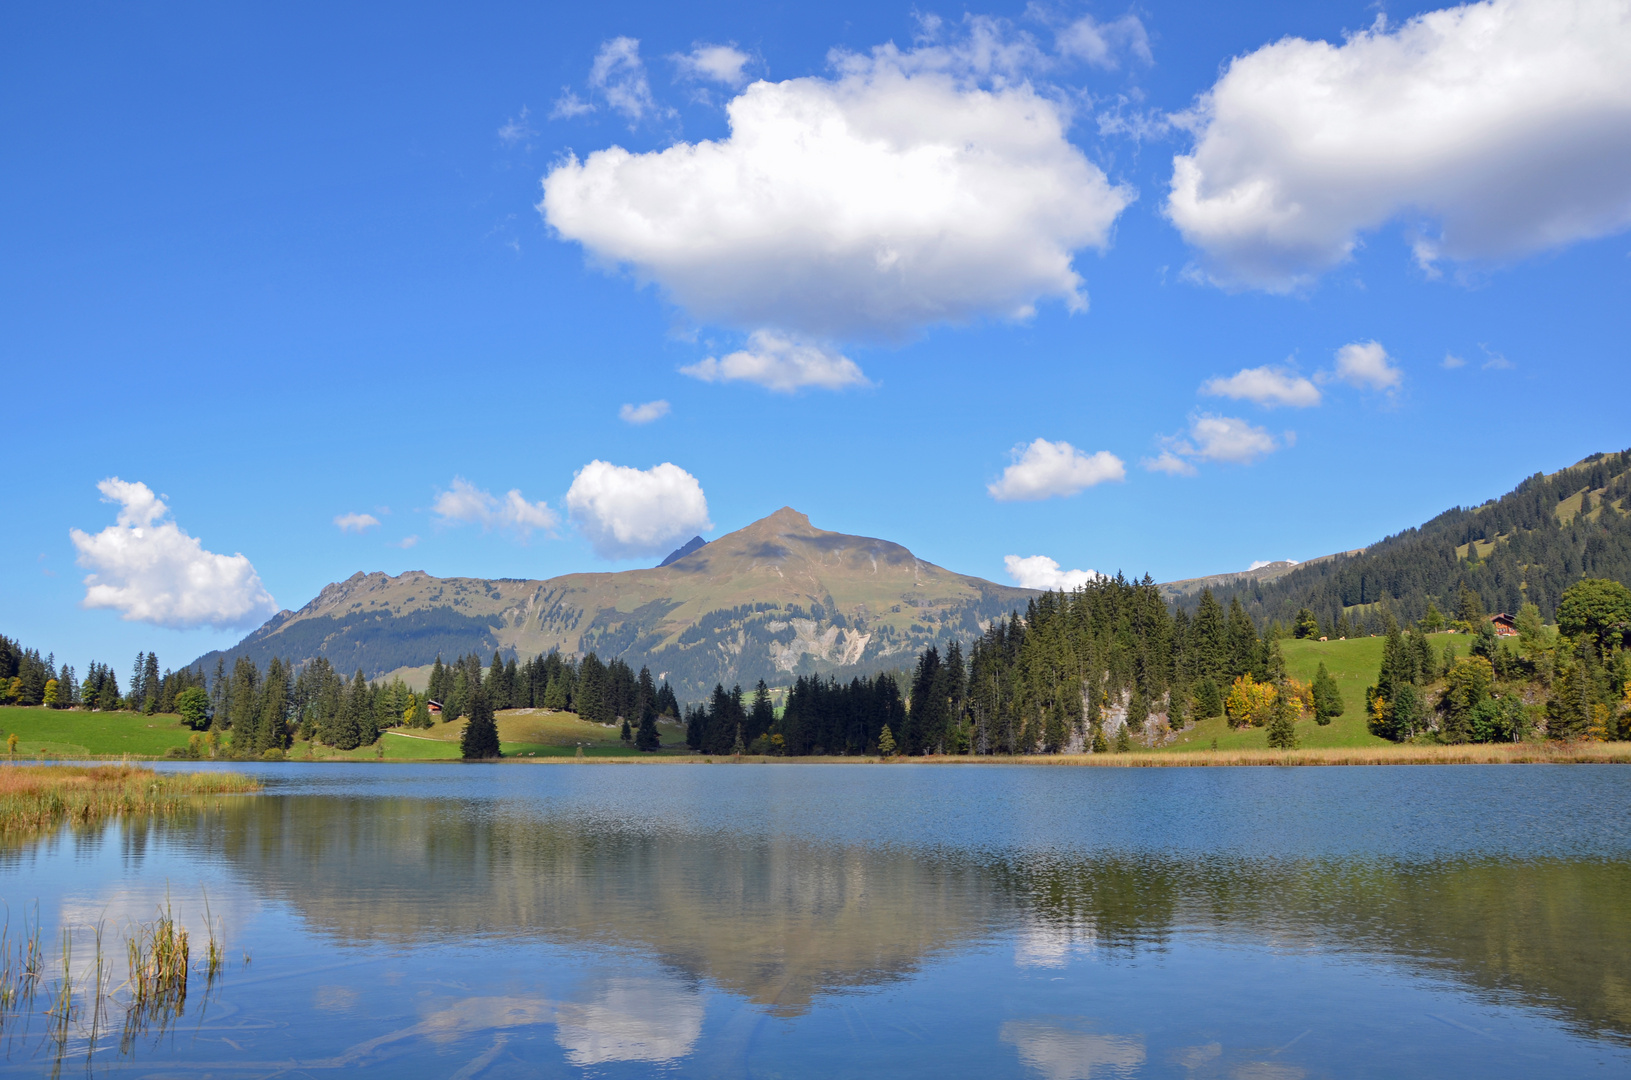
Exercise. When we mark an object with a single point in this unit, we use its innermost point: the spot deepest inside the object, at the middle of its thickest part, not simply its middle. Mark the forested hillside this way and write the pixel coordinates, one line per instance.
(1527, 546)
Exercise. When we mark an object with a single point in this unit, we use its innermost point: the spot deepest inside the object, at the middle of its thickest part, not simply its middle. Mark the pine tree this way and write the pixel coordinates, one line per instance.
(1282, 730)
(1124, 741)
(627, 734)
(479, 742)
(646, 738)
(1327, 696)
(737, 749)
(886, 742)
(762, 715)
(150, 684)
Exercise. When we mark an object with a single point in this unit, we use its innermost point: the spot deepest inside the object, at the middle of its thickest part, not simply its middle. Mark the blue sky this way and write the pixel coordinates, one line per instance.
(286, 264)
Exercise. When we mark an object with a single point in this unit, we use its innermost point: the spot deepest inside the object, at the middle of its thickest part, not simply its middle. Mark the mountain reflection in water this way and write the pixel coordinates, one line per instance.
(782, 921)
(1061, 923)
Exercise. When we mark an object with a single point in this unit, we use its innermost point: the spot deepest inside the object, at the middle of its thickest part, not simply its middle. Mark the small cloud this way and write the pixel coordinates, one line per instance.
(1168, 462)
(150, 570)
(1365, 365)
(1227, 439)
(568, 106)
(1452, 361)
(356, 523)
(464, 503)
(1041, 572)
(1044, 470)
(643, 414)
(1495, 361)
(780, 362)
(1100, 43)
(620, 76)
(407, 542)
(724, 64)
(1258, 564)
(516, 129)
(1230, 439)
(625, 511)
(1267, 386)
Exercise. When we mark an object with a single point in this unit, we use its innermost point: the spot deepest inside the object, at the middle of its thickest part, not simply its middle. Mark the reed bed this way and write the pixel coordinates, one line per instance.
(1578, 753)
(1591, 753)
(37, 798)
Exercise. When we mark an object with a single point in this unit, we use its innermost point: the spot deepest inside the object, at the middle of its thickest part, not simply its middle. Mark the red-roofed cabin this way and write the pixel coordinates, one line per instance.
(1505, 625)
(435, 708)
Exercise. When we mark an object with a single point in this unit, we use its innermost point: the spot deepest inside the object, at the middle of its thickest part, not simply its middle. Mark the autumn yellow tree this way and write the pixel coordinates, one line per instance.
(1249, 702)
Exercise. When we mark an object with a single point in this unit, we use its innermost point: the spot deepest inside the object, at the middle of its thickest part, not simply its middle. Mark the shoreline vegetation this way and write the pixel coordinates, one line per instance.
(36, 798)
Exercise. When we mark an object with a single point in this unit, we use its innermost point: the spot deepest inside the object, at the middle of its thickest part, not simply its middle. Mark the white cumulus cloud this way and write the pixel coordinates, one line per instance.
(1366, 364)
(1267, 386)
(895, 194)
(1046, 469)
(1491, 129)
(465, 504)
(779, 362)
(626, 512)
(150, 570)
(1170, 463)
(355, 522)
(1041, 572)
(643, 414)
(725, 64)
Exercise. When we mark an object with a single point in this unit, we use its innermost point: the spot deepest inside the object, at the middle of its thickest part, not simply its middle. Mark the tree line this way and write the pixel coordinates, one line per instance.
(1575, 684)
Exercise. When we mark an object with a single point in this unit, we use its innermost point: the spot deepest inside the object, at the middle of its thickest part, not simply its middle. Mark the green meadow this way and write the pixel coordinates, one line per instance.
(73, 733)
(1353, 663)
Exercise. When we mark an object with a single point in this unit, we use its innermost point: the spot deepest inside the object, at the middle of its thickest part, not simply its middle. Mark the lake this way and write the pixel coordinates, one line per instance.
(868, 920)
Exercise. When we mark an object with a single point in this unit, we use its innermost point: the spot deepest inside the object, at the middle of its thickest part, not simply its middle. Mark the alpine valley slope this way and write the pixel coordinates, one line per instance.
(773, 600)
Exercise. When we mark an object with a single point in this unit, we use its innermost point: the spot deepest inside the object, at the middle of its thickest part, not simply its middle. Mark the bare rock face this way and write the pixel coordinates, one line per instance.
(770, 601)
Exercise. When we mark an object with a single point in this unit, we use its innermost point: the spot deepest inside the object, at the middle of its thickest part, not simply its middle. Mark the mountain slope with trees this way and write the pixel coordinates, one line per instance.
(1528, 546)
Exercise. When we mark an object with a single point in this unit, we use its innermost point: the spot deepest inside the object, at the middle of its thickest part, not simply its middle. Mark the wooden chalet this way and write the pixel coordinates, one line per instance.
(1505, 625)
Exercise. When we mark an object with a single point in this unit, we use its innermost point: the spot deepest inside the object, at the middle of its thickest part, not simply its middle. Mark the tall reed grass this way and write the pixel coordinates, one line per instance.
(37, 798)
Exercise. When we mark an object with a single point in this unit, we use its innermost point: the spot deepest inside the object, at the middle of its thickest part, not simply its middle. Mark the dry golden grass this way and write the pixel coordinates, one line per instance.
(1583, 753)
(34, 798)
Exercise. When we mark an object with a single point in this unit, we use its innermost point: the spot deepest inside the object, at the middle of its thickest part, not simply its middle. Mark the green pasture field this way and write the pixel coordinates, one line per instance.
(74, 733)
(1353, 663)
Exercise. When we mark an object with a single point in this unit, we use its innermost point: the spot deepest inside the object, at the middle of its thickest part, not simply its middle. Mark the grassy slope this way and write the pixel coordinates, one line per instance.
(1353, 664)
(521, 733)
(72, 733)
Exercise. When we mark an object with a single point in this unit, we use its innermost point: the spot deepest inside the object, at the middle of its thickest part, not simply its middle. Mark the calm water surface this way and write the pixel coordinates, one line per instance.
(785, 921)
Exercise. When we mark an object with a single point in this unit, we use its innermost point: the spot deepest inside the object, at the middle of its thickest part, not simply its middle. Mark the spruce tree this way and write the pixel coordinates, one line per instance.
(1124, 741)
(1282, 720)
(886, 742)
(762, 715)
(627, 734)
(646, 738)
(479, 742)
(1327, 696)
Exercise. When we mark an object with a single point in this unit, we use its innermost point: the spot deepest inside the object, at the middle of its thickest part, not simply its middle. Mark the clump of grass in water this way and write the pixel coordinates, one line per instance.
(159, 953)
(215, 951)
